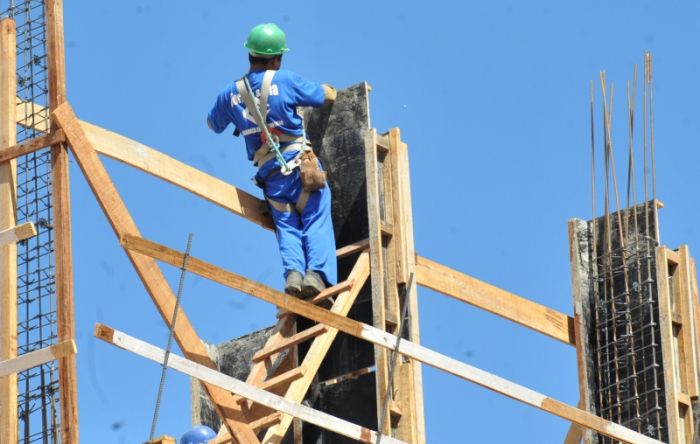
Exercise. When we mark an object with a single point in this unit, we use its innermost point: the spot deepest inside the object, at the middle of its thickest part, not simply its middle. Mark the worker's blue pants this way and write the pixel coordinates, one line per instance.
(306, 240)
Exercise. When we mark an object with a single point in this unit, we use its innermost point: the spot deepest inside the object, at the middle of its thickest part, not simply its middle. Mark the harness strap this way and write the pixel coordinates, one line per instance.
(264, 154)
(265, 93)
(303, 200)
(280, 206)
(284, 207)
(248, 100)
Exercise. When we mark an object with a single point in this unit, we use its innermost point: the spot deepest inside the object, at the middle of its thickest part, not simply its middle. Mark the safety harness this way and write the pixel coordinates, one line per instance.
(271, 139)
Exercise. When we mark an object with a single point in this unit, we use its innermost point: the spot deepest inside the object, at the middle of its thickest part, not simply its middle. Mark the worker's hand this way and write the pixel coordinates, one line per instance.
(330, 92)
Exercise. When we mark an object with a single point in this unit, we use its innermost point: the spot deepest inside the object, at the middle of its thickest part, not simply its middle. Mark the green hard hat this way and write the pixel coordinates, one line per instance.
(266, 39)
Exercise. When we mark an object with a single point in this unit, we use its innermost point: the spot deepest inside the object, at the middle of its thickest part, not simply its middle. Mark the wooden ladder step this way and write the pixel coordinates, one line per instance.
(291, 341)
(266, 421)
(277, 381)
(283, 378)
(353, 248)
(332, 291)
(322, 296)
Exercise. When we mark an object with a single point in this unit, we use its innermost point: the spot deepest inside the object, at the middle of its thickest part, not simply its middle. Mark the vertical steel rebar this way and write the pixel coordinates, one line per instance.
(35, 285)
(628, 371)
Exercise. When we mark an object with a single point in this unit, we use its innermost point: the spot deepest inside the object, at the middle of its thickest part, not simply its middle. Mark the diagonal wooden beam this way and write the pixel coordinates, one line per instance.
(37, 357)
(389, 341)
(17, 233)
(253, 393)
(173, 171)
(500, 302)
(147, 269)
(162, 166)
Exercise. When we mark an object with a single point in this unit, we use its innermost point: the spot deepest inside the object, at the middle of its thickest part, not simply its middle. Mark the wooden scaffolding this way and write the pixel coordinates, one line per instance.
(383, 264)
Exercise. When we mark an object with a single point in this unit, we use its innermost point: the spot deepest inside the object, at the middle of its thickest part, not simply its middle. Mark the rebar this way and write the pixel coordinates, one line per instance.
(38, 397)
(627, 371)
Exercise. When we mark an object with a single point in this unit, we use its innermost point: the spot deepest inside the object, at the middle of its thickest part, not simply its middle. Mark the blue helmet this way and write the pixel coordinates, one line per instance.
(200, 434)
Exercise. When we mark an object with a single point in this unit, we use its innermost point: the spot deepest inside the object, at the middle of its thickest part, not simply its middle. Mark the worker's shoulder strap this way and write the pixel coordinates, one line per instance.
(265, 91)
(247, 94)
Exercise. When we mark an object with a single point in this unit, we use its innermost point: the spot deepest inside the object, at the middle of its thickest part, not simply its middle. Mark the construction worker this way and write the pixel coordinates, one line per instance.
(302, 217)
(200, 434)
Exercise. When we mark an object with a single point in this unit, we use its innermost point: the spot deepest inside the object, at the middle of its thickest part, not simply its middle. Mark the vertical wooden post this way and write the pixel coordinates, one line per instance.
(579, 247)
(67, 375)
(377, 269)
(409, 374)
(680, 376)
(392, 254)
(8, 208)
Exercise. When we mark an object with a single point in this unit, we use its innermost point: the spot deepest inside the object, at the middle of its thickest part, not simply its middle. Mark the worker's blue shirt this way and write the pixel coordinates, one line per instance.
(288, 90)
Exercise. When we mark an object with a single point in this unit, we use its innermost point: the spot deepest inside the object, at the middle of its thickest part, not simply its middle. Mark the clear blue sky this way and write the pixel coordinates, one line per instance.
(492, 99)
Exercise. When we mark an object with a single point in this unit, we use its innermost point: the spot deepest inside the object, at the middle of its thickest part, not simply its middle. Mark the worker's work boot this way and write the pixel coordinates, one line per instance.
(292, 285)
(313, 284)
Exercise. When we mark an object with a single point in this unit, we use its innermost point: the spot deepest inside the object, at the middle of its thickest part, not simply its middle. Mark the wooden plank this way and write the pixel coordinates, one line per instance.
(400, 213)
(687, 310)
(284, 328)
(696, 306)
(179, 174)
(162, 166)
(684, 399)
(266, 421)
(314, 356)
(392, 311)
(320, 346)
(332, 291)
(228, 383)
(376, 267)
(683, 341)
(408, 381)
(353, 248)
(495, 300)
(395, 411)
(387, 340)
(31, 145)
(672, 256)
(291, 341)
(63, 250)
(283, 379)
(574, 434)
(389, 223)
(579, 259)
(8, 252)
(165, 439)
(17, 233)
(26, 116)
(151, 276)
(346, 377)
(326, 294)
(675, 430)
(37, 357)
(408, 268)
